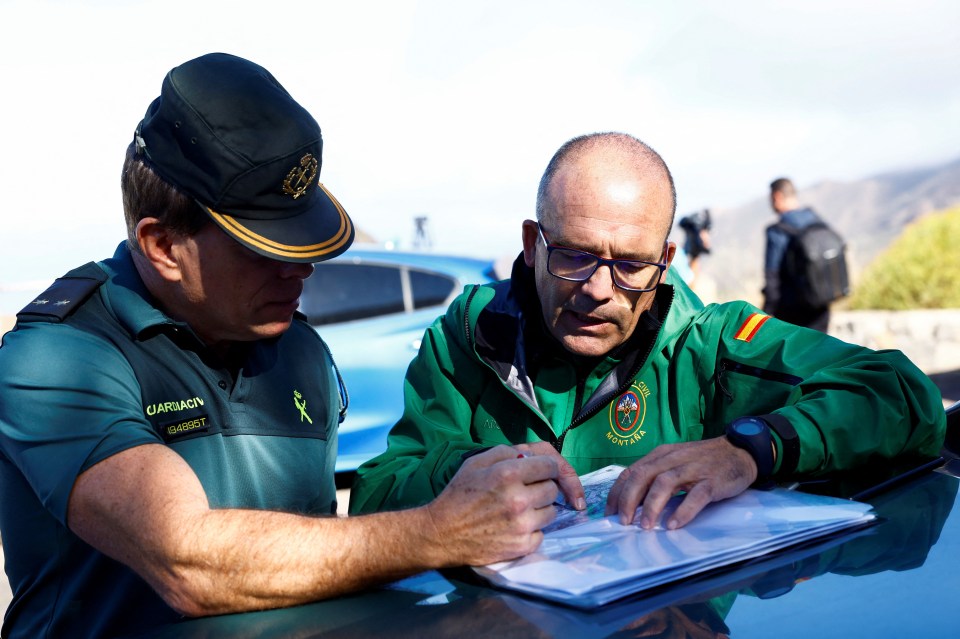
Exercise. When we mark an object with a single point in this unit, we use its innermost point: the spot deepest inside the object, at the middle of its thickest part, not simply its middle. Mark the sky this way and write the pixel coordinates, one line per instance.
(451, 110)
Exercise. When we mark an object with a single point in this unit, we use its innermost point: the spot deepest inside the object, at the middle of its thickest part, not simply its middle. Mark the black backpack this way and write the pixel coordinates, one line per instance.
(814, 267)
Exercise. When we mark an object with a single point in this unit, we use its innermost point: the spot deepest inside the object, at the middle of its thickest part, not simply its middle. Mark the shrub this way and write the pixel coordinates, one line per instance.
(920, 269)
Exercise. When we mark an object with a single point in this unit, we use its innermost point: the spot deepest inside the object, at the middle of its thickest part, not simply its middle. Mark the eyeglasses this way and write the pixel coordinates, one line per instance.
(579, 266)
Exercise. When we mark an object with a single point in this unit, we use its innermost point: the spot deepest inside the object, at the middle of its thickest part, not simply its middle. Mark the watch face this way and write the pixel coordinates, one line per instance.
(748, 427)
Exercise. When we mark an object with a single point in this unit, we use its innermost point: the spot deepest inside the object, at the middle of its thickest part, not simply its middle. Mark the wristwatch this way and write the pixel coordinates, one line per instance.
(753, 435)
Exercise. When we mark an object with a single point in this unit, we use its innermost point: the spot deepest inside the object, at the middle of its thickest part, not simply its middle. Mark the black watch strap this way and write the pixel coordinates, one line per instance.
(753, 435)
(789, 443)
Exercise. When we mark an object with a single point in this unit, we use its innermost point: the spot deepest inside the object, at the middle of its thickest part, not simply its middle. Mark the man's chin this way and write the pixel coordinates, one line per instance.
(270, 330)
(588, 345)
(589, 339)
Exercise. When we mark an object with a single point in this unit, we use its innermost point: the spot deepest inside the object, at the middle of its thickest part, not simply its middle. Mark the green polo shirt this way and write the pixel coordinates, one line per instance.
(115, 373)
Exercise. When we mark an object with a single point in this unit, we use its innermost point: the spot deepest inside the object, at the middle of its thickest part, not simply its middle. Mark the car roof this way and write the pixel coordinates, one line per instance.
(463, 267)
(897, 578)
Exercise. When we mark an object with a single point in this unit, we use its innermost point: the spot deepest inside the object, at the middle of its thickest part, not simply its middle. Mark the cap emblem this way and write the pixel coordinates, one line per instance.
(301, 177)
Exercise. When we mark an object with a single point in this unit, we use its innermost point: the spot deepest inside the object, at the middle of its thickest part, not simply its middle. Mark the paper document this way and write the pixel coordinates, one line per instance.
(587, 559)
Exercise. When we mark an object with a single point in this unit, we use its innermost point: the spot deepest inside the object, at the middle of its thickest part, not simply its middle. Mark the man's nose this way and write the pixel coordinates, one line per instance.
(600, 285)
(296, 270)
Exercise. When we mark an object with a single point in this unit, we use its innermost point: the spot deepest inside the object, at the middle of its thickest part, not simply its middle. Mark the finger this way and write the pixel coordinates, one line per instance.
(567, 479)
(696, 499)
(613, 497)
(479, 461)
(540, 494)
(533, 448)
(515, 548)
(533, 519)
(538, 448)
(532, 543)
(535, 469)
(544, 516)
(521, 483)
(631, 486)
(490, 457)
(529, 469)
(627, 492)
(661, 490)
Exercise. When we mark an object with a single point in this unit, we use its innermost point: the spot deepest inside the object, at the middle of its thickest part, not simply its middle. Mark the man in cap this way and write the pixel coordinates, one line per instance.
(168, 424)
(588, 351)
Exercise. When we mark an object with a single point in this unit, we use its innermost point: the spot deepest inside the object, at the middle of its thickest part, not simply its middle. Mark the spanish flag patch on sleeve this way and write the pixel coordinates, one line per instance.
(751, 326)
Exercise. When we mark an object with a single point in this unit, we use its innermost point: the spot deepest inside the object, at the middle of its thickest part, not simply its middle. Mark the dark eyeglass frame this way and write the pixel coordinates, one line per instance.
(602, 261)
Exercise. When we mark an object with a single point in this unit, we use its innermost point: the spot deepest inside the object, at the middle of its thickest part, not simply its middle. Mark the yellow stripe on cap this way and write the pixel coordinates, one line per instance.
(341, 237)
(750, 327)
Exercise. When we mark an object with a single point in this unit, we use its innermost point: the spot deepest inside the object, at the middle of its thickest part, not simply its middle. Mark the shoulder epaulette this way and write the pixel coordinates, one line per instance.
(64, 296)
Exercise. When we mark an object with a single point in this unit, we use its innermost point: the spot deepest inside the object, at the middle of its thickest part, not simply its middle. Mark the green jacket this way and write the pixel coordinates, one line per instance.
(488, 373)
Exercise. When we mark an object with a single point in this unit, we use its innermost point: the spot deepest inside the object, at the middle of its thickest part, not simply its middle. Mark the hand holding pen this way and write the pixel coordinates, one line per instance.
(567, 481)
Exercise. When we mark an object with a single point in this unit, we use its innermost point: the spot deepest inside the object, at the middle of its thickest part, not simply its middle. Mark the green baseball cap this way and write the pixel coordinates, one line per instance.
(227, 134)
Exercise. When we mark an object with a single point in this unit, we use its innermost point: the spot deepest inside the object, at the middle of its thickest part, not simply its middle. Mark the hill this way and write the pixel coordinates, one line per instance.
(869, 213)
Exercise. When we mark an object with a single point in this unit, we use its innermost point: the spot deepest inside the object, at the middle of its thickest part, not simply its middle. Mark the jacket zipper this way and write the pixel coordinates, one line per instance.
(580, 419)
(466, 315)
(578, 400)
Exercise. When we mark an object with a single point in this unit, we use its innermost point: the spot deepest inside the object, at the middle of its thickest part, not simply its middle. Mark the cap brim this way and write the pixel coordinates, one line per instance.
(322, 232)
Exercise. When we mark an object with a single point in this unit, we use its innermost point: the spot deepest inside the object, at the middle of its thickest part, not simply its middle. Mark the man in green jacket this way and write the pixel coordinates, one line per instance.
(590, 352)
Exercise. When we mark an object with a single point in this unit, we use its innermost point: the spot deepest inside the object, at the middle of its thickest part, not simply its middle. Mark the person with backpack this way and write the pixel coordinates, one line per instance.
(805, 263)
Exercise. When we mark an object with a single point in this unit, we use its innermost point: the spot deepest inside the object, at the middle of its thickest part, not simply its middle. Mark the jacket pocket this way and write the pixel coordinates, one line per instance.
(747, 389)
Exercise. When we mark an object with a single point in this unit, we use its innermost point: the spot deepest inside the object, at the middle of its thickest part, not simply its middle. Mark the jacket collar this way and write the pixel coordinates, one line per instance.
(128, 297)
(512, 338)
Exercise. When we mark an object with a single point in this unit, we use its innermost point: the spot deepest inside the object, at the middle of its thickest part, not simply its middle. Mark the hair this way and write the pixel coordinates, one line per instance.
(783, 185)
(146, 194)
(641, 153)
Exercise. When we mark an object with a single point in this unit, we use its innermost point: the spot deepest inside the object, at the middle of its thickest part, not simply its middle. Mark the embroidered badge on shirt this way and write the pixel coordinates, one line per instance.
(751, 326)
(627, 414)
(301, 404)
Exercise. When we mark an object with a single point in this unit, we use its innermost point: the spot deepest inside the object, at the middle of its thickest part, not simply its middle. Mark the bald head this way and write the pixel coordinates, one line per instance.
(610, 196)
(614, 158)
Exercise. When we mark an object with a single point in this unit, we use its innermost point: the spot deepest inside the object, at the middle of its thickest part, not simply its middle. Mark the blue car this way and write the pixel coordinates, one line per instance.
(371, 306)
(896, 578)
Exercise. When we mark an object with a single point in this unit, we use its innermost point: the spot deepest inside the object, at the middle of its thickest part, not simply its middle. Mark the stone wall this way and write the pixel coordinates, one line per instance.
(931, 338)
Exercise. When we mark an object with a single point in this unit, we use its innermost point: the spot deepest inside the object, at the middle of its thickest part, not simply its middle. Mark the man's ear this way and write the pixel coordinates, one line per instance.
(531, 235)
(156, 245)
(669, 254)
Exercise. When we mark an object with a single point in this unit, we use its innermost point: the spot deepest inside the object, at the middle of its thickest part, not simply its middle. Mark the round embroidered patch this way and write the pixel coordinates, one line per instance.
(626, 416)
